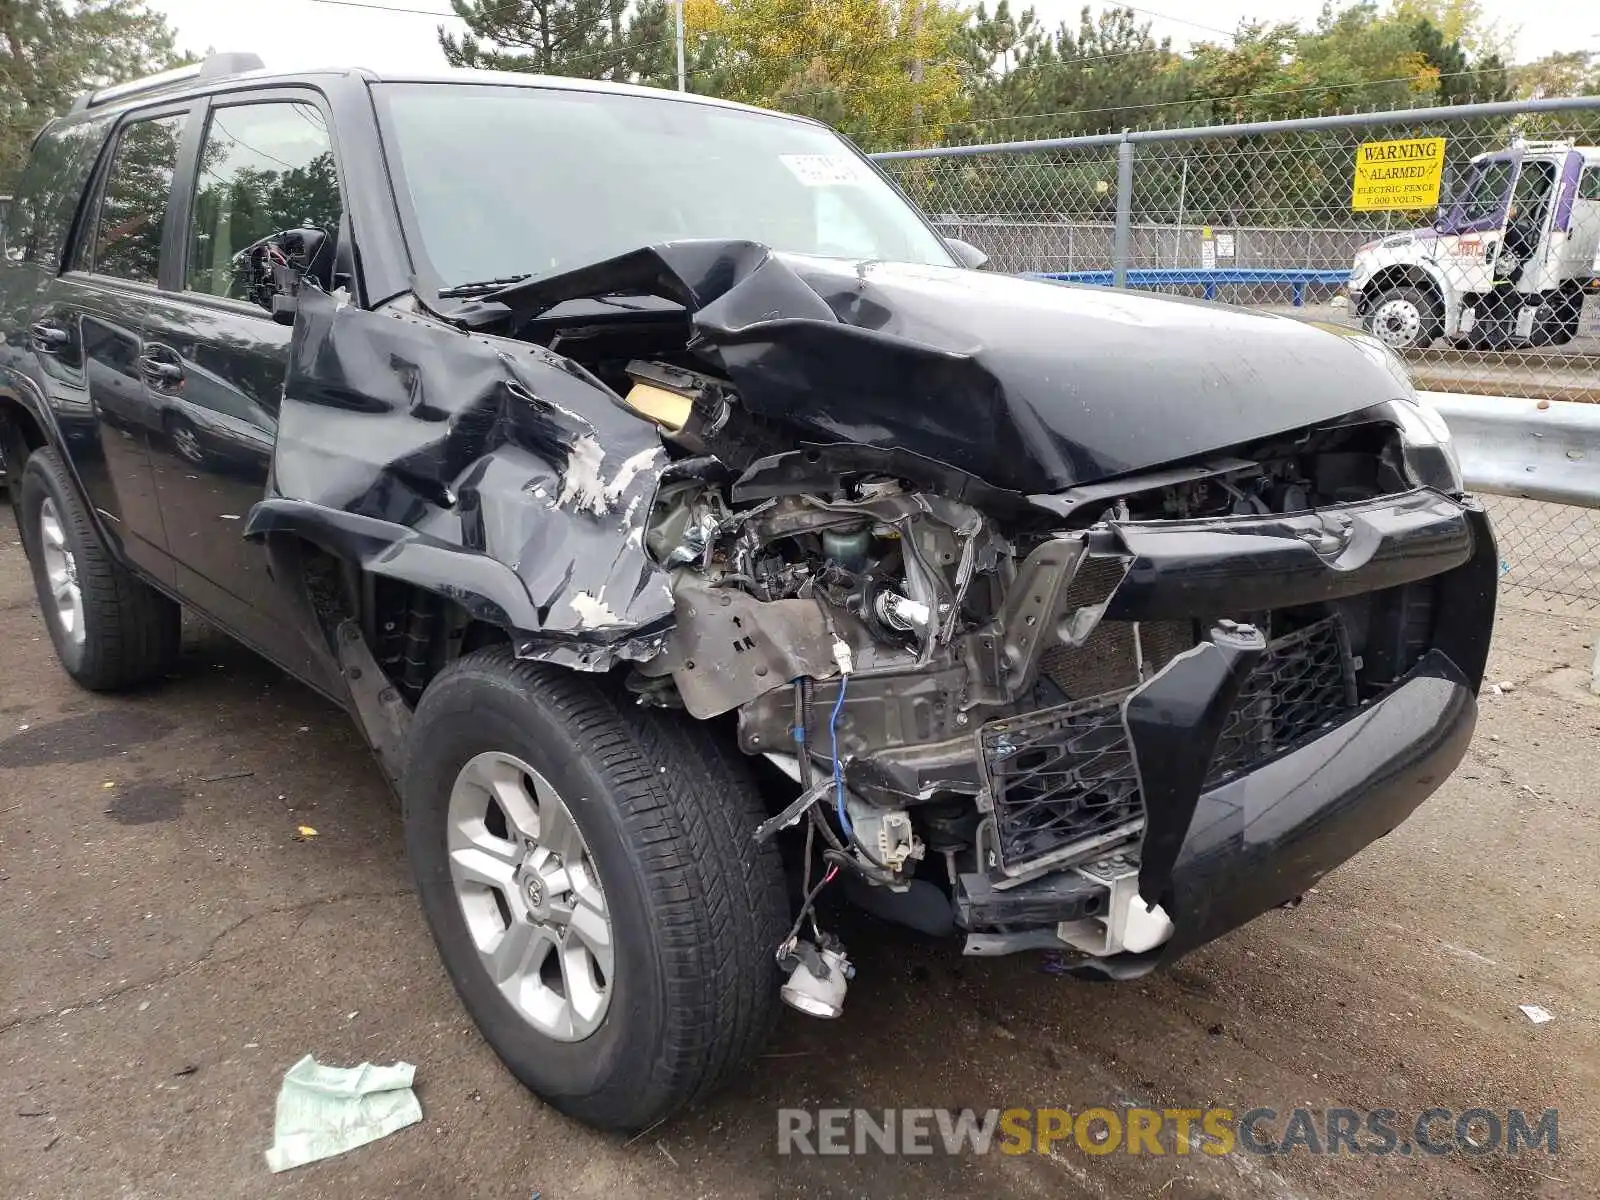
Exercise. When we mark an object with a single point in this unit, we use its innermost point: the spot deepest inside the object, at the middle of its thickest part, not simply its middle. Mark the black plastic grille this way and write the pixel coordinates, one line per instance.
(1061, 776)
(1304, 681)
(1064, 777)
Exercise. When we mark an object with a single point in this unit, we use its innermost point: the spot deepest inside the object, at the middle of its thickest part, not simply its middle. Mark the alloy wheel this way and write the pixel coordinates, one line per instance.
(61, 569)
(531, 896)
(187, 443)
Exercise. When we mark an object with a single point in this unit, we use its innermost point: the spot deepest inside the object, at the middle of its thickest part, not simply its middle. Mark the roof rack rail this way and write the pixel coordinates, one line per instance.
(215, 66)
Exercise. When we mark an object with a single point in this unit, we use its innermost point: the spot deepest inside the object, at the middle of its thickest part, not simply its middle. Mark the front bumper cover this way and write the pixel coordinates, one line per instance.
(1263, 838)
(1203, 569)
(1215, 857)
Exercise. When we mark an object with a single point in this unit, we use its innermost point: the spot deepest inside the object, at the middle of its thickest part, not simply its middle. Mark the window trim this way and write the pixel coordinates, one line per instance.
(88, 215)
(178, 246)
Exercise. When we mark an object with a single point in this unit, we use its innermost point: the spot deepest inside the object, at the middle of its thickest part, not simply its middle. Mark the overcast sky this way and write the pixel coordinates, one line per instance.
(291, 34)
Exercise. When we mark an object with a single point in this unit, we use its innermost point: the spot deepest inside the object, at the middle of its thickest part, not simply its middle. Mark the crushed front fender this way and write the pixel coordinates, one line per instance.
(486, 469)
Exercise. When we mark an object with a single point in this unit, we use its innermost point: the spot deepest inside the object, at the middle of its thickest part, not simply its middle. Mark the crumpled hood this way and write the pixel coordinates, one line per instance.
(1028, 385)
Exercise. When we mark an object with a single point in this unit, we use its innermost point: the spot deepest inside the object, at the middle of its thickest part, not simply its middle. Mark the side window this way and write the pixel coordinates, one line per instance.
(264, 168)
(127, 233)
(1589, 184)
(48, 193)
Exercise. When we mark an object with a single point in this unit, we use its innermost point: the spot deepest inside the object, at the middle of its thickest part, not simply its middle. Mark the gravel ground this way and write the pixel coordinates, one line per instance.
(170, 948)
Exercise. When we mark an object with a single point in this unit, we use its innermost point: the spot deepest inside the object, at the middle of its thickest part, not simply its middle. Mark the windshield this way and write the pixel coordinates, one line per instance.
(506, 180)
(1482, 194)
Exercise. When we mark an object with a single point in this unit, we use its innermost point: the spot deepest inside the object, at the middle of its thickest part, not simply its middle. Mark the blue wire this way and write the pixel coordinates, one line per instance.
(838, 771)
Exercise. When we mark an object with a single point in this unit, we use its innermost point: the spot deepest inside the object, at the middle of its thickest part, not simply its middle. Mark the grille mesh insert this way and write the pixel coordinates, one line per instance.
(1060, 776)
(1064, 777)
(1304, 681)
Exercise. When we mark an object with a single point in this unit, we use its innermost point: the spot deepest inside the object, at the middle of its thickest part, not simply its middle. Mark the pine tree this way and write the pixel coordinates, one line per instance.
(585, 38)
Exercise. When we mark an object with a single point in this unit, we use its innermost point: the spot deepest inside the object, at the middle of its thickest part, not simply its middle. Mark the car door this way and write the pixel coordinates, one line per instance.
(86, 330)
(215, 359)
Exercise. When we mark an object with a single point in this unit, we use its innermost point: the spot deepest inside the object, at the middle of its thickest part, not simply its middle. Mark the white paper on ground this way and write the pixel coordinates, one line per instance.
(323, 1111)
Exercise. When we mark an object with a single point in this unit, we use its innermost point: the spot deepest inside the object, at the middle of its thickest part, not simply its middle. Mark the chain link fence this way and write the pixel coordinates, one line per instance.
(1551, 551)
(1491, 290)
(1491, 287)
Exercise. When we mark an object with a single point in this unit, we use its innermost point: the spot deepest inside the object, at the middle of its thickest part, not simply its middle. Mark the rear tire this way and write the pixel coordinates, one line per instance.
(1557, 322)
(111, 630)
(1404, 318)
(694, 910)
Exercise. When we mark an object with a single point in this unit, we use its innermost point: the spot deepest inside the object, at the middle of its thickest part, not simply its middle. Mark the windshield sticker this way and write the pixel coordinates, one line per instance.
(823, 170)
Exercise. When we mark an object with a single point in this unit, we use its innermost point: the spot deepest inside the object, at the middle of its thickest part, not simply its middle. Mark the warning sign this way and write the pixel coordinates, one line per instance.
(1398, 175)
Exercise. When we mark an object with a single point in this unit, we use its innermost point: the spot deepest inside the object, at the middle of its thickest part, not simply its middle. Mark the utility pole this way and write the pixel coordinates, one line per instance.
(678, 10)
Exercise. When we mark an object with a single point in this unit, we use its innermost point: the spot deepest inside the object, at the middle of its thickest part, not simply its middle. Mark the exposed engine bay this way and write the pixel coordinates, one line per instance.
(946, 684)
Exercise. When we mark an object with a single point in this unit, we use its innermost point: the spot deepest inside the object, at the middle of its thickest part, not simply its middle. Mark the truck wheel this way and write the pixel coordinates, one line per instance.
(1403, 318)
(111, 630)
(587, 869)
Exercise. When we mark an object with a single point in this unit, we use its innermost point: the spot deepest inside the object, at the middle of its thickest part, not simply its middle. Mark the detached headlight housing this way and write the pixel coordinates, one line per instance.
(1430, 452)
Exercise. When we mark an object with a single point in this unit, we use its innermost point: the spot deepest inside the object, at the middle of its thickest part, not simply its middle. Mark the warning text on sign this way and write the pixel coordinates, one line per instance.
(1398, 175)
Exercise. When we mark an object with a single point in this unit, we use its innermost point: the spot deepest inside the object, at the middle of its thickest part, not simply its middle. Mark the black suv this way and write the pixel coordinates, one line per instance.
(688, 526)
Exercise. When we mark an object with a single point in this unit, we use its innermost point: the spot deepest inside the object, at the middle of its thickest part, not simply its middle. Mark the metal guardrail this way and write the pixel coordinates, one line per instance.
(1537, 449)
(1296, 279)
(1538, 464)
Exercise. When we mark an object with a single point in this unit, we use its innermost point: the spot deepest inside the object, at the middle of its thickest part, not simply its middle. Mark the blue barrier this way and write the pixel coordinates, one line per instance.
(1296, 278)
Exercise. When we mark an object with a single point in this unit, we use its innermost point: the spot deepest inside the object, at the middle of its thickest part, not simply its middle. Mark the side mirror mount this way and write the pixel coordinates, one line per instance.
(276, 266)
(968, 255)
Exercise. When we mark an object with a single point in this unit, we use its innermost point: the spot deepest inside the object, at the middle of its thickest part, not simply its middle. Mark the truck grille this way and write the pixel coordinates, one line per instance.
(1063, 778)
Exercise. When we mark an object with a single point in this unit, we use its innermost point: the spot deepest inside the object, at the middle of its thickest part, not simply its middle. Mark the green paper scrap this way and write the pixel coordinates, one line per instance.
(323, 1111)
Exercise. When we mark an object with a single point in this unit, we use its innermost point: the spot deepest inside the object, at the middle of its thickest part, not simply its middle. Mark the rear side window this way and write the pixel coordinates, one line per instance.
(264, 168)
(1589, 185)
(48, 193)
(127, 233)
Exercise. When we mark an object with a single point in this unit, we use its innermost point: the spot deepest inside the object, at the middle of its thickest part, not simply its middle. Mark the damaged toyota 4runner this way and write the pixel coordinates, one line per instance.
(690, 528)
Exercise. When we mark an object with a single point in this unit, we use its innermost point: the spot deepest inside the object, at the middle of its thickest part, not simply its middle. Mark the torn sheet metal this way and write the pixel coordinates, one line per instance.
(489, 470)
(730, 647)
(1023, 384)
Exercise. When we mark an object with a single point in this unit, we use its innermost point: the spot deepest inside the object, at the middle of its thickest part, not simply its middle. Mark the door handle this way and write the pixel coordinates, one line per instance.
(160, 374)
(49, 338)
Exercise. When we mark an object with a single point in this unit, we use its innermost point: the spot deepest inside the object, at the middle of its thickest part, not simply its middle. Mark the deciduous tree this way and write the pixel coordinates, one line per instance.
(886, 71)
(53, 50)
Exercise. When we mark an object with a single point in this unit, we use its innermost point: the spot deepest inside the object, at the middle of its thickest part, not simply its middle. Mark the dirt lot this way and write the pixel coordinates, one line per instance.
(168, 949)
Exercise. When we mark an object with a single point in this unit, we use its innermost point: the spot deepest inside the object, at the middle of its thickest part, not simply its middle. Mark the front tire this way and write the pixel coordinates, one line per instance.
(1404, 318)
(587, 870)
(111, 630)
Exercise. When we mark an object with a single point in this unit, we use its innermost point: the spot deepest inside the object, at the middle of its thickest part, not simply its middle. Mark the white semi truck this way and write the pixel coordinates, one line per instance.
(1512, 258)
